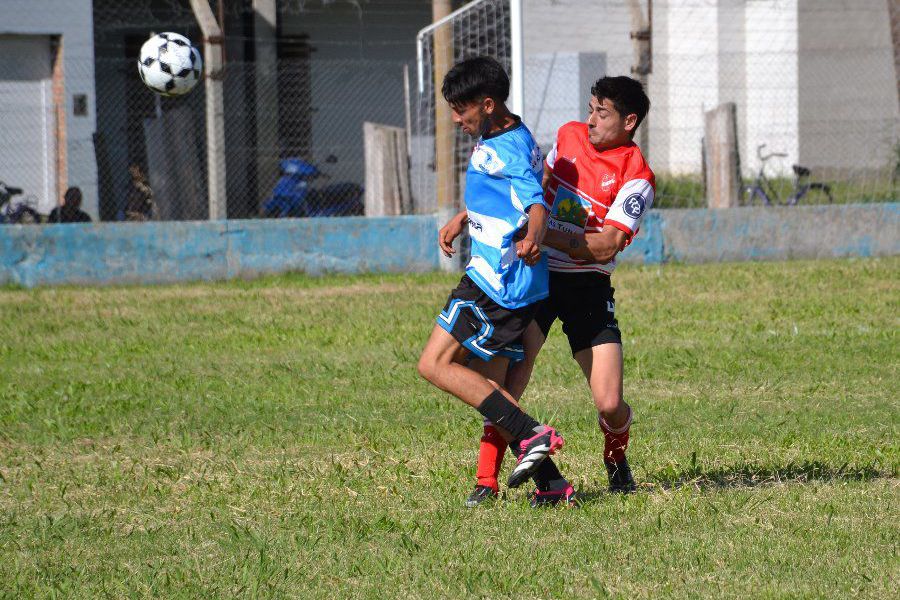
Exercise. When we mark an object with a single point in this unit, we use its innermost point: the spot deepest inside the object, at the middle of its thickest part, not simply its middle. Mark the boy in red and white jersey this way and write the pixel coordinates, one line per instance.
(599, 187)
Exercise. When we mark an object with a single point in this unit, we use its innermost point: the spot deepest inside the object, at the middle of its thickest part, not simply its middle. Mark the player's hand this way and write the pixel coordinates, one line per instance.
(528, 251)
(447, 234)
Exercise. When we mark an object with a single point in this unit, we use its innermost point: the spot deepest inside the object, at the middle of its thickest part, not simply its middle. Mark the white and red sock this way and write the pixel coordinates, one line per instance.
(615, 439)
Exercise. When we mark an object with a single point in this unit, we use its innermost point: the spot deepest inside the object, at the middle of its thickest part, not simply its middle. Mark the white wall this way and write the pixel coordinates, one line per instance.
(691, 76)
(73, 20)
(848, 88)
(811, 78)
(772, 78)
(28, 122)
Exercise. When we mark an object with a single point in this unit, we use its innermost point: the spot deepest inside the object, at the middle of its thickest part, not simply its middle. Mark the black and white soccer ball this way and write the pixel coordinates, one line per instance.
(169, 64)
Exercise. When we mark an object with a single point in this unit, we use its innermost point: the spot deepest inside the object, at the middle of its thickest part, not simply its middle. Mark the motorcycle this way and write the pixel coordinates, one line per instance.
(16, 211)
(294, 195)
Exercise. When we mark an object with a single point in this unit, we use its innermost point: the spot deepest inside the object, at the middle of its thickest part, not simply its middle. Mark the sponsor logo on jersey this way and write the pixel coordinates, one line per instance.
(633, 205)
(475, 225)
(486, 160)
(569, 208)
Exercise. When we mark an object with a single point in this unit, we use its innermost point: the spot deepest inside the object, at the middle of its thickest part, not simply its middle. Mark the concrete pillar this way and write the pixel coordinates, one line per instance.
(265, 34)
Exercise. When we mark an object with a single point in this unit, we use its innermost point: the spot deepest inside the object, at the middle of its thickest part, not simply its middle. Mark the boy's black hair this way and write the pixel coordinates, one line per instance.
(475, 78)
(626, 94)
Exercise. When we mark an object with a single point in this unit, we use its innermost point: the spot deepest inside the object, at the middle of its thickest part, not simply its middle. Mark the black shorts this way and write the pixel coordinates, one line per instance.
(482, 326)
(584, 303)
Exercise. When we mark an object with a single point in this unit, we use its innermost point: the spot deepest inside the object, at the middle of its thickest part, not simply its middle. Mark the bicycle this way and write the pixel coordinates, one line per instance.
(17, 212)
(763, 190)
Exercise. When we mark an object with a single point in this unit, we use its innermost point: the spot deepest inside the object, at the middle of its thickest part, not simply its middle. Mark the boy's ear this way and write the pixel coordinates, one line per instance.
(488, 105)
(630, 122)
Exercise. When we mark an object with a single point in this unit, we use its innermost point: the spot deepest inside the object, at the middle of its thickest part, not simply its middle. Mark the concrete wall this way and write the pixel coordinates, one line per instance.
(129, 253)
(811, 78)
(848, 101)
(569, 44)
(126, 253)
(356, 72)
(73, 21)
(763, 233)
(557, 89)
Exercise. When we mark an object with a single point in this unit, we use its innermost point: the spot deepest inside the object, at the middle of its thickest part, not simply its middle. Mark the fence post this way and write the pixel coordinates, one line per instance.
(642, 46)
(721, 168)
(265, 68)
(387, 170)
(213, 46)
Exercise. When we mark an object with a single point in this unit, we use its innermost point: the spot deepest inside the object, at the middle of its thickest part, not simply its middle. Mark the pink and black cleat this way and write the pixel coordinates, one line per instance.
(533, 452)
(566, 496)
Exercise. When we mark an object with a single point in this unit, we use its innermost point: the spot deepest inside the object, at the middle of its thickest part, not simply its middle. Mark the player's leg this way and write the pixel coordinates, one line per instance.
(493, 444)
(587, 311)
(602, 366)
(550, 485)
(441, 365)
(472, 321)
(519, 373)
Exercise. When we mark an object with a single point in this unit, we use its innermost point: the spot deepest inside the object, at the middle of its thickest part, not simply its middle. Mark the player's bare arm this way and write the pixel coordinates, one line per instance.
(450, 232)
(599, 247)
(545, 180)
(529, 248)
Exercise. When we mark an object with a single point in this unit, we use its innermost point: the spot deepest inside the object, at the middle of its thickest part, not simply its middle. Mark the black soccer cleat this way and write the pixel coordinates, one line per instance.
(621, 481)
(532, 453)
(567, 496)
(480, 495)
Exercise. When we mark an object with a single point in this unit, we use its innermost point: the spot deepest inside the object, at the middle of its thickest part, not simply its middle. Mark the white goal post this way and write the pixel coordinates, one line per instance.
(516, 59)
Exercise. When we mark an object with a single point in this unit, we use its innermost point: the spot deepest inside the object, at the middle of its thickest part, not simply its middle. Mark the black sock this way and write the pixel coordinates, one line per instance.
(547, 473)
(503, 413)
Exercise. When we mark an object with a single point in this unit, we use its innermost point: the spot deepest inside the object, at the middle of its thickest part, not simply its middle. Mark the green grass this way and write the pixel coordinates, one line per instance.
(272, 439)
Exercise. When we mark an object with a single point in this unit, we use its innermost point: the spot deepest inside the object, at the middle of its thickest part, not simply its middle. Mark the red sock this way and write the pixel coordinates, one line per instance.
(490, 456)
(615, 441)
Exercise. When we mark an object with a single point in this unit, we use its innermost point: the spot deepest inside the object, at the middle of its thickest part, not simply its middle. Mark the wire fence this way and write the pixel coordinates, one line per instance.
(813, 81)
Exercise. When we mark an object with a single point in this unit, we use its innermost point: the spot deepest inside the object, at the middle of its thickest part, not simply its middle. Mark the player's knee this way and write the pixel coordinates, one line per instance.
(608, 402)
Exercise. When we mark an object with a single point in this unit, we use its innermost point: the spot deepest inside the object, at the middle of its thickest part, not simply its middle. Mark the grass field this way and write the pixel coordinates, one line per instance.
(272, 438)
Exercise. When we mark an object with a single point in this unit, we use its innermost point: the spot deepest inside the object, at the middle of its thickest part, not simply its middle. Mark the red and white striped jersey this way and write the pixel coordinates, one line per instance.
(590, 189)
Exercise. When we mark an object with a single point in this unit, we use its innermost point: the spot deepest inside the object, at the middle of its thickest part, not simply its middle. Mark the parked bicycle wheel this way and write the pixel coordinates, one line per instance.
(752, 195)
(818, 193)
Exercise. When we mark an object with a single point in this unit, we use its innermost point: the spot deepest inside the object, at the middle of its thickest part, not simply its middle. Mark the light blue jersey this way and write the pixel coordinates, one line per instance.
(502, 181)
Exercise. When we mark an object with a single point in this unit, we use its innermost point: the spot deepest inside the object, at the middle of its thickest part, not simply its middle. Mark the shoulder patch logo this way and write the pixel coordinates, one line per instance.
(486, 160)
(633, 206)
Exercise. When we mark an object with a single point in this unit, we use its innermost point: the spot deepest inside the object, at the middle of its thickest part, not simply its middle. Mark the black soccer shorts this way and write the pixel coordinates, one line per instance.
(482, 326)
(584, 303)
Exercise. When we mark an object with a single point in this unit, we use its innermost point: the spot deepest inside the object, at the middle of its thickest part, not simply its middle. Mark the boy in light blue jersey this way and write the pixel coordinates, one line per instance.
(502, 184)
(481, 327)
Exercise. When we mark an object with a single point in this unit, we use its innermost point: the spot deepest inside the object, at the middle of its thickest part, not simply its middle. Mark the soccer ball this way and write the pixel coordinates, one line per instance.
(169, 64)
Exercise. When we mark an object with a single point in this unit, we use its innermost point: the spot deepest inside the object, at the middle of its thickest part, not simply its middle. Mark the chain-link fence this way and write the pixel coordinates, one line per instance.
(815, 80)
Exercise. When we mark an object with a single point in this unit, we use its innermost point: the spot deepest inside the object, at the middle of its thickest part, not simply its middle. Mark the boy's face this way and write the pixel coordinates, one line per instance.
(472, 116)
(607, 128)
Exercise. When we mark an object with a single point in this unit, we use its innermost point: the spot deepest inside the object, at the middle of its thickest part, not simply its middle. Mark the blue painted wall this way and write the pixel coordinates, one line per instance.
(107, 253)
(116, 253)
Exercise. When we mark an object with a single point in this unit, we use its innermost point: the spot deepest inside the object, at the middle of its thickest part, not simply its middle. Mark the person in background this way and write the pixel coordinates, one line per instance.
(70, 211)
(140, 205)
